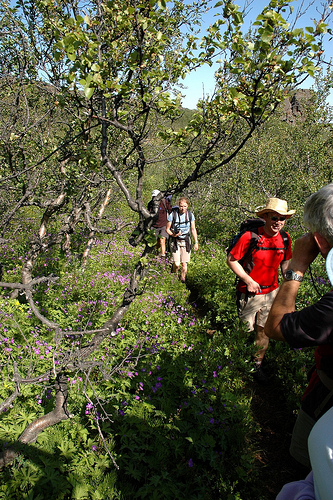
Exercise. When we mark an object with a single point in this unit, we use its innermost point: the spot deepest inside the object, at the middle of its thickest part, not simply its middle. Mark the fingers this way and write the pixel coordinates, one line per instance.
(304, 252)
(253, 287)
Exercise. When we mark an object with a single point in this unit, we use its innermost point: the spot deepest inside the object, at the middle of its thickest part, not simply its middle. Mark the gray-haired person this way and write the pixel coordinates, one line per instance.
(311, 326)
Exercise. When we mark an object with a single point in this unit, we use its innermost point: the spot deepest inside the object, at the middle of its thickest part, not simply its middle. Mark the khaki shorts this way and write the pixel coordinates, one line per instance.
(181, 255)
(254, 309)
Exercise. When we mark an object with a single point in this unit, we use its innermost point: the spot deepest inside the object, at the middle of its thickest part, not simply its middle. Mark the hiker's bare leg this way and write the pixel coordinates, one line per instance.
(261, 341)
(183, 271)
(175, 267)
(163, 246)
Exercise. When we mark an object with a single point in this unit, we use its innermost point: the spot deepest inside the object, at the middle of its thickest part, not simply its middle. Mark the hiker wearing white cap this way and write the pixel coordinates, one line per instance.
(266, 249)
(313, 325)
(164, 208)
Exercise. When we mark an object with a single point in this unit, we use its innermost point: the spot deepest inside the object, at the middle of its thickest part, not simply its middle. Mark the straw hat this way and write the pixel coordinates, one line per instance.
(275, 205)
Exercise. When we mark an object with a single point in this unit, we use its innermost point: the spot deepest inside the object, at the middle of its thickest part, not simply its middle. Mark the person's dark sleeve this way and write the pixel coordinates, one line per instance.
(168, 206)
(311, 326)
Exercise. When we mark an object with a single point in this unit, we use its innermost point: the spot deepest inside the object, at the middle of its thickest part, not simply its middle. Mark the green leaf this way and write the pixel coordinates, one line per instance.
(67, 448)
(267, 36)
(238, 18)
(71, 56)
(88, 92)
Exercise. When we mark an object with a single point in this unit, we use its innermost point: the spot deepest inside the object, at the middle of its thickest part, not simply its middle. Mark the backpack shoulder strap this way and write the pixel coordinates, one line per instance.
(285, 241)
(190, 215)
(285, 238)
(175, 211)
(255, 237)
(246, 261)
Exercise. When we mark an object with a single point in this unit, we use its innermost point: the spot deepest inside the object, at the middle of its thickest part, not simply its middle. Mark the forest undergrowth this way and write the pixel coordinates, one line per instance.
(170, 409)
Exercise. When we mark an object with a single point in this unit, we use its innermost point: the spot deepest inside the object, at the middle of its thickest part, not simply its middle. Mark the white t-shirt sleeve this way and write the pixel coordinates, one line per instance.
(320, 444)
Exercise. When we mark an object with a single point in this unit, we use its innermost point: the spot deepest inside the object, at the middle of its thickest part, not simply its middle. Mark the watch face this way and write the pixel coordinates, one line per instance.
(291, 275)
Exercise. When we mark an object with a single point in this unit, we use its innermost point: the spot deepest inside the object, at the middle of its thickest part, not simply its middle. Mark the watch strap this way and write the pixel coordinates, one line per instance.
(290, 275)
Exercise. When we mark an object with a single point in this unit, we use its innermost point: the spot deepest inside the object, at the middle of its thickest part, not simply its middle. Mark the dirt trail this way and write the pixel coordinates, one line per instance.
(274, 461)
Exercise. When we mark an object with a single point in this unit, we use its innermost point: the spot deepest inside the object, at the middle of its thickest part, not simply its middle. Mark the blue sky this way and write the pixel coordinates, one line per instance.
(201, 82)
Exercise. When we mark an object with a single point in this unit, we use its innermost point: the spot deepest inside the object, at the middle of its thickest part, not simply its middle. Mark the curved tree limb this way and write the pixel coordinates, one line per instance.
(31, 433)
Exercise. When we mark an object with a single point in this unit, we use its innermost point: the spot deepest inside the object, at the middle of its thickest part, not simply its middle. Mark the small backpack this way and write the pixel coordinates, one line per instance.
(175, 215)
(253, 226)
(172, 242)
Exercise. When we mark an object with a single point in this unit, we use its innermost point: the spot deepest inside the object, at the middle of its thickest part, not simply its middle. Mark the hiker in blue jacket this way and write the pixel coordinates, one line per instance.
(180, 225)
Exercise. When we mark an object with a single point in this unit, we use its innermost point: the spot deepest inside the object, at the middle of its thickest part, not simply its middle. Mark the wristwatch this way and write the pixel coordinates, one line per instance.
(291, 275)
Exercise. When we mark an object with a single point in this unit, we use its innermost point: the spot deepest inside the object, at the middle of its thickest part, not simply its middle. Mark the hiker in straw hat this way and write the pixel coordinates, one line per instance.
(255, 259)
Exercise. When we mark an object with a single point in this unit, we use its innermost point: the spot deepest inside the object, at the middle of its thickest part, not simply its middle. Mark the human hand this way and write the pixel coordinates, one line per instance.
(253, 286)
(304, 252)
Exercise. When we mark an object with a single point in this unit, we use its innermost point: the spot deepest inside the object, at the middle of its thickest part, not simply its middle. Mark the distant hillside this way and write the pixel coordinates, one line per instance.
(185, 117)
(291, 110)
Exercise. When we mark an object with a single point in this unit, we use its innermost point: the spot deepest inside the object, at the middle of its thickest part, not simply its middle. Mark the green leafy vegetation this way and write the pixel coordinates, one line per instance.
(177, 405)
(117, 380)
(167, 409)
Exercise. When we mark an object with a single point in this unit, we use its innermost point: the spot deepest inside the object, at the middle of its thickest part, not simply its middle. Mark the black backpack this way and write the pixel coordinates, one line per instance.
(253, 226)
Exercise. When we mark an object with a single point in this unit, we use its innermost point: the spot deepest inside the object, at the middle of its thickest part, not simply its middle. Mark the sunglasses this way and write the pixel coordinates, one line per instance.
(275, 219)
